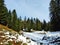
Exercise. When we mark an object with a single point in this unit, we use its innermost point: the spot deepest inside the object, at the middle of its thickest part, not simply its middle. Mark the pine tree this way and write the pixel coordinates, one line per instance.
(9, 19)
(25, 23)
(14, 20)
(21, 25)
(38, 24)
(28, 24)
(44, 26)
(18, 25)
(55, 15)
(31, 23)
(48, 26)
(3, 13)
(34, 25)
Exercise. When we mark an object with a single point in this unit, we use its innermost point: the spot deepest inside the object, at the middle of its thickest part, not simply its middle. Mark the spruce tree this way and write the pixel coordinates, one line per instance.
(31, 23)
(9, 19)
(34, 25)
(14, 20)
(3, 13)
(38, 24)
(28, 24)
(25, 23)
(55, 15)
(44, 26)
(18, 25)
(21, 25)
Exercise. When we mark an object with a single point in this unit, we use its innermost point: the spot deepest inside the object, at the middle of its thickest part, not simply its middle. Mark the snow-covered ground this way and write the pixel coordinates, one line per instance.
(53, 33)
(15, 37)
(22, 38)
(32, 38)
(43, 38)
(35, 38)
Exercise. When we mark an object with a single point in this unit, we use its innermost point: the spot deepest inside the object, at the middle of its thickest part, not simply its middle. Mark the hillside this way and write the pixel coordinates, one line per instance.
(2, 27)
(10, 37)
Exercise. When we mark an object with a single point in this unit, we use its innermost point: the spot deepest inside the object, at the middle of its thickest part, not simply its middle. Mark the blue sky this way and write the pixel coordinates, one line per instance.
(30, 8)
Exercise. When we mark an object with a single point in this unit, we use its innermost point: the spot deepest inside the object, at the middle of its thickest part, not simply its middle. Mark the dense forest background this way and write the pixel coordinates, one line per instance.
(9, 18)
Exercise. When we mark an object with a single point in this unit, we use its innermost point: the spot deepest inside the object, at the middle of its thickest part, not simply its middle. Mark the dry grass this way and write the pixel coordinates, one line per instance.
(6, 28)
(19, 43)
(3, 39)
(24, 43)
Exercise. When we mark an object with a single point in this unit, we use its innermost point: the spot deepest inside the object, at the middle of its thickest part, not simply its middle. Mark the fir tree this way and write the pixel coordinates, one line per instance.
(31, 23)
(28, 24)
(55, 15)
(3, 13)
(14, 19)
(9, 19)
(38, 24)
(44, 26)
(24, 23)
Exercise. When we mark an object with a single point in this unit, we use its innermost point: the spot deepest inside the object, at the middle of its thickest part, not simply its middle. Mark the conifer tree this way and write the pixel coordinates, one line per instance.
(28, 24)
(9, 19)
(3, 13)
(25, 22)
(44, 26)
(14, 19)
(21, 25)
(38, 24)
(55, 15)
(31, 23)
